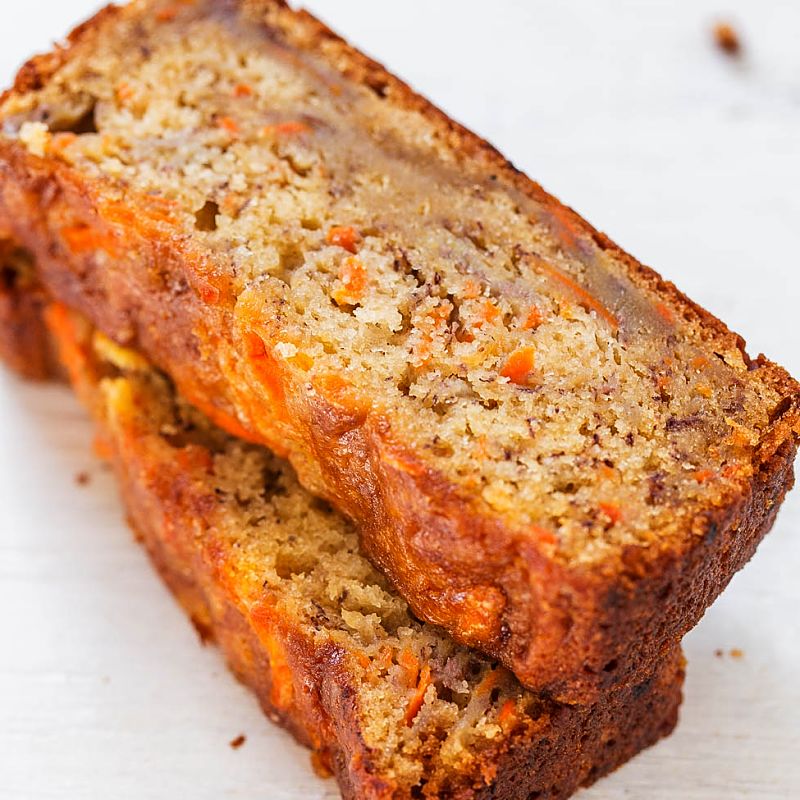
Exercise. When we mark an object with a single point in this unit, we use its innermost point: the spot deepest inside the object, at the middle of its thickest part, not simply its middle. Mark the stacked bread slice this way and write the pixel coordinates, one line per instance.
(251, 238)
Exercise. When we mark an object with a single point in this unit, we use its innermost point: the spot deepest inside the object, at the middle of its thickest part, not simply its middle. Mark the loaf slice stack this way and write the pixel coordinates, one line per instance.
(390, 705)
(547, 449)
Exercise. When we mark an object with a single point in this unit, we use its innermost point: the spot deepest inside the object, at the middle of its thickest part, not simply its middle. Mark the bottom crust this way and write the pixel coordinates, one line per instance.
(564, 748)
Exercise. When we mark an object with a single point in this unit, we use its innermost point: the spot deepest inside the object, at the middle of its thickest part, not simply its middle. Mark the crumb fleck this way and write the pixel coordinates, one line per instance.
(719, 653)
(727, 39)
(737, 653)
(238, 741)
(82, 478)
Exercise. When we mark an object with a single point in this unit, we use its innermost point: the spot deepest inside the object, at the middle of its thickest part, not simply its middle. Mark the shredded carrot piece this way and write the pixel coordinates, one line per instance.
(167, 14)
(194, 457)
(703, 475)
(731, 471)
(302, 360)
(242, 90)
(704, 390)
(519, 365)
(222, 419)
(544, 535)
(489, 313)
(268, 371)
(607, 472)
(583, 297)
(508, 713)
(124, 92)
(255, 345)
(410, 663)
(472, 290)
(612, 511)
(345, 237)
(533, 320)
(363, 659)
(59, 142)
(699, 362)
(419, 695)
(83, 239)
(665, 312)
(354, 279)
(286, 128)
(61, 325)
(229, 125)
(208, 294)
(489, 681)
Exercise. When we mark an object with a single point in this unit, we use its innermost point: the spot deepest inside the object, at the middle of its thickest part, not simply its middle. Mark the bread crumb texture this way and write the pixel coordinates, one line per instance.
(428, 710)
(510, 352)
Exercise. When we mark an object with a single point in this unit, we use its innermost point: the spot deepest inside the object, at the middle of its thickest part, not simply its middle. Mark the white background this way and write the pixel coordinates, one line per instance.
(627, 112)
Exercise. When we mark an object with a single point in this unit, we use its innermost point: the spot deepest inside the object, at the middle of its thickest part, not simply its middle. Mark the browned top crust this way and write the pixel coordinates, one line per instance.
(570, 627)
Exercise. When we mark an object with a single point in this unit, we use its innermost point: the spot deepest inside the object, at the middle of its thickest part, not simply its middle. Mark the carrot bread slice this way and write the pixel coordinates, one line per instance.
(392, 706)
(549, 451)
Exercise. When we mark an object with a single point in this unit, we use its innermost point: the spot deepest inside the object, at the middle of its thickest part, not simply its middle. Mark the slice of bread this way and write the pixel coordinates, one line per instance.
(392, 706)
(549, 450)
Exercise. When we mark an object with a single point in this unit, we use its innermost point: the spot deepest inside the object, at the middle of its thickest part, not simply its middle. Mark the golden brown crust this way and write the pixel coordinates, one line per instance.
(550, 757)
(568, 631)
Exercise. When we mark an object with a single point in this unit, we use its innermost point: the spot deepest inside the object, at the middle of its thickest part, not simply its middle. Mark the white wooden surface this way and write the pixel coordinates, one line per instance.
(626, 111)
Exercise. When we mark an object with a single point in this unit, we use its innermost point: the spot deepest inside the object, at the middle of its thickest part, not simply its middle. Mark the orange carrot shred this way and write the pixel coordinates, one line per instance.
(354, 279)
(167, 14)
(410, 663)
(612, 511)
(607, 472)
(419, 695)
(83, 239)
(508, 713)
(363, 660)
(519, 365)
(124, 92)
(302, 360)
(472, 290)
(704, 390)
(193, 457)
(255, 345)
(208, 294)
(699, 362)
(665, 312)
(533, 320)
(229, 125)
(286, 128)
(703, 475)
(583, 297)
(490, 312)
(345, 237)
(544, 535)
(242, 90)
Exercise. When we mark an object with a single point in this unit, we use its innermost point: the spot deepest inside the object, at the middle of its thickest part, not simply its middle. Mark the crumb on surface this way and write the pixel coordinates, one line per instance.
(727, 39)
(83, 478)
(238, 741)
(719, 653)
(737, 653)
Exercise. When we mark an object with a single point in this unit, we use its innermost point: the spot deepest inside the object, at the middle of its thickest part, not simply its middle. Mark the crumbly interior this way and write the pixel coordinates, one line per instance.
(509, 353)
(428, 708)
